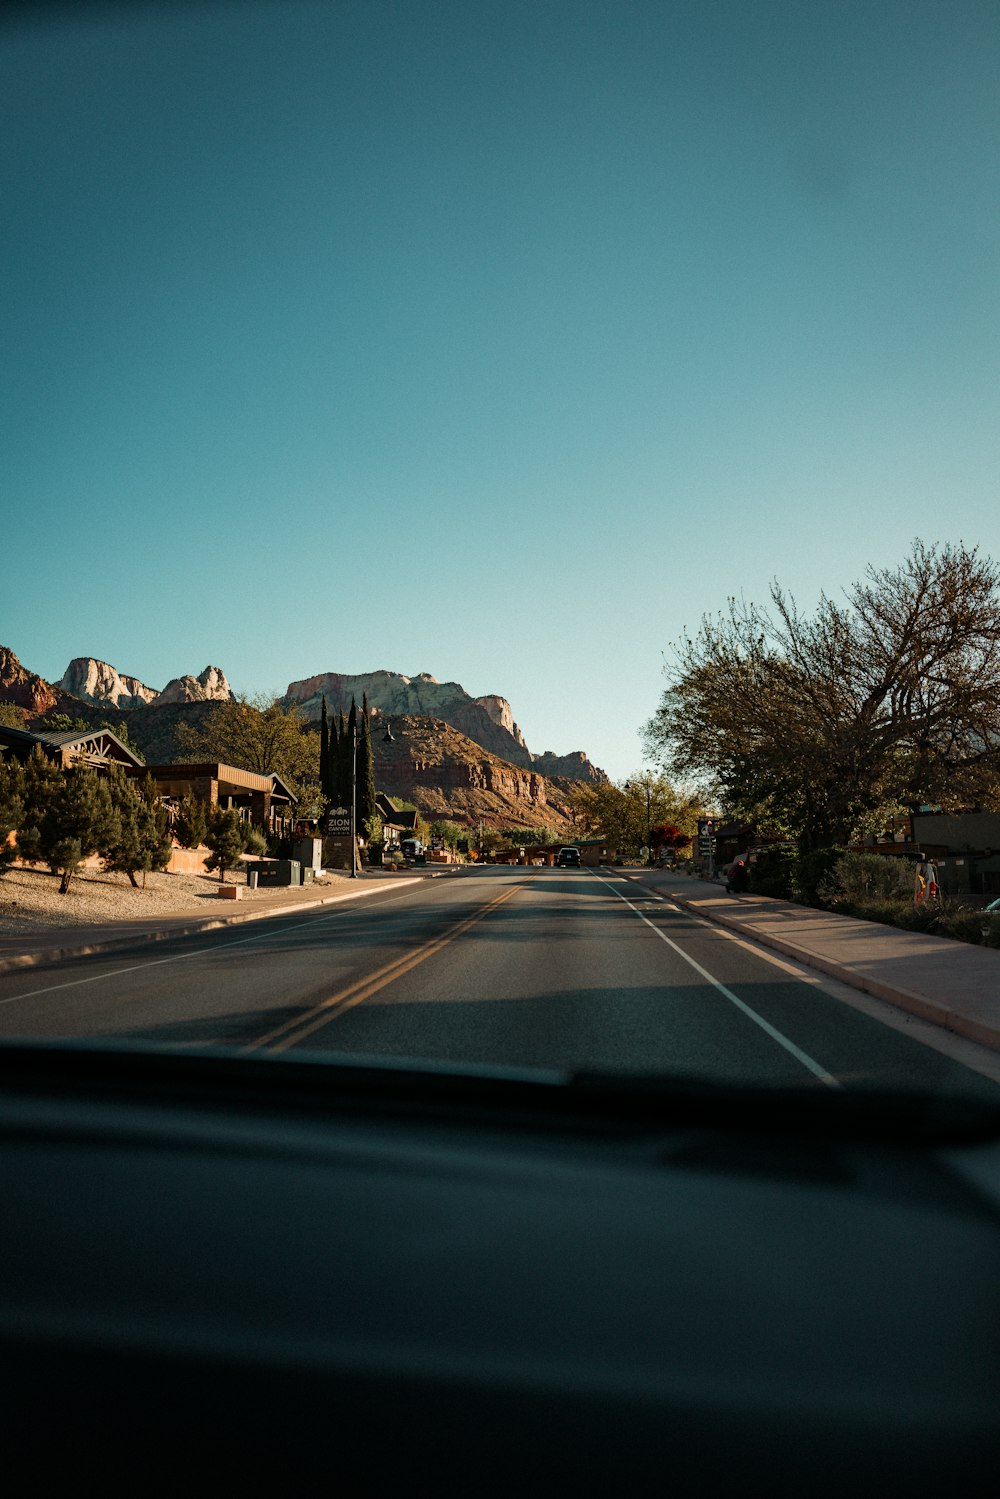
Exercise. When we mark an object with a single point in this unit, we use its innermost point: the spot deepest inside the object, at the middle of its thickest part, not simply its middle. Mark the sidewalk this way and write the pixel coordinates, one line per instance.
(32, 949)
(951, 984)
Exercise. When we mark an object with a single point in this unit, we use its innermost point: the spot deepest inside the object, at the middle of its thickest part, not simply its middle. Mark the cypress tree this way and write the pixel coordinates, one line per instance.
(368, 820)
(344, 764)
(324, 751)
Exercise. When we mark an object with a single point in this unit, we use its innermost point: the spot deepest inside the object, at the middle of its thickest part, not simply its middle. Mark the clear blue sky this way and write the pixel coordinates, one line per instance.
(498, 341)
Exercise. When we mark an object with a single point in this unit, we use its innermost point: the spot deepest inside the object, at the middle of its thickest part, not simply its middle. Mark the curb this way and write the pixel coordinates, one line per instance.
(192, 929)
(937, 1012)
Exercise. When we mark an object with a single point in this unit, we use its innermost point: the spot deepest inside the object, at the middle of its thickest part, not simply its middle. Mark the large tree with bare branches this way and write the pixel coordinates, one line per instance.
(816, 722)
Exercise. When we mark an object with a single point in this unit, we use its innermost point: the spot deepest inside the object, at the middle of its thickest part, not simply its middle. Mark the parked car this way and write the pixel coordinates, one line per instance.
(567, 857)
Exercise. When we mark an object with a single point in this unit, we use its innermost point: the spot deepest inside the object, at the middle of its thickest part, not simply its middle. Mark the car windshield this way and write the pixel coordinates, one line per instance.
(499, 534)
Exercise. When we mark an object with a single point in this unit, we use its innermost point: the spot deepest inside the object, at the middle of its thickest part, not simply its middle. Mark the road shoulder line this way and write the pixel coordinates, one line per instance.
(937, 1012)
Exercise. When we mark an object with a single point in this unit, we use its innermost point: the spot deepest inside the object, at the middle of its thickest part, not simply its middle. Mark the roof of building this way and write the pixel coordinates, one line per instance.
(68, 739)
(230, 775)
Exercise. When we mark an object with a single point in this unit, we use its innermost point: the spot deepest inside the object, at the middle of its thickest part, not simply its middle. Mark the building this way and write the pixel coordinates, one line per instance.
(98, 748)
(265, 800)
(965, 846)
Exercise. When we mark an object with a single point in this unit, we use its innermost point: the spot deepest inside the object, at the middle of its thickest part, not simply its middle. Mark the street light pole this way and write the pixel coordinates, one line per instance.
(354, 803)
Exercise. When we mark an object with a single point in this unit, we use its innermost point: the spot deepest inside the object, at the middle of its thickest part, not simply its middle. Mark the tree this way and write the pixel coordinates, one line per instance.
(11, 716)
(324, 751)
(11, 808)
(142, 838)
(366, 772)
(71, 817)
(257, 734)
(347, 758)
(624, 812)
(344, 752)
(225, 838)
(815, 724)
(191, 822)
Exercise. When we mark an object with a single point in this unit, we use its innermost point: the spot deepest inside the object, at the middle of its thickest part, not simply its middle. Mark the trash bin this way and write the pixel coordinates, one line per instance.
(252, 876)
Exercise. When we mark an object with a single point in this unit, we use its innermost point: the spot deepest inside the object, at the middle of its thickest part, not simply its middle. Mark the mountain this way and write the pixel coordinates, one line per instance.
(23, 687)
(97, 682)
(446, 774)
(488, 721)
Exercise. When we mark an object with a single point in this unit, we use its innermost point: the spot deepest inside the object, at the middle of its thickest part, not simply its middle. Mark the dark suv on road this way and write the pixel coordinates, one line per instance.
(568, 856)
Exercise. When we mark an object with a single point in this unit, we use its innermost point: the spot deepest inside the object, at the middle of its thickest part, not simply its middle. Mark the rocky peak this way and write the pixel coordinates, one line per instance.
(209, 685)
(499, 711)
(23, 687)
(97, 682)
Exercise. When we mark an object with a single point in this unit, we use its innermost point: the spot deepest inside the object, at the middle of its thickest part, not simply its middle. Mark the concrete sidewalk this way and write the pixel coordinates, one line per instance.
(32, 949)
(951, 984)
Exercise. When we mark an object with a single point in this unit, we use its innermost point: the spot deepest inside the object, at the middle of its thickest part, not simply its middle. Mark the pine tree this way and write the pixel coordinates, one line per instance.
(191, 822)
(142, 840)
(11, 808)
(81, 820)
(368, 819)
(41, 786)
(226, 839)
(324, 751)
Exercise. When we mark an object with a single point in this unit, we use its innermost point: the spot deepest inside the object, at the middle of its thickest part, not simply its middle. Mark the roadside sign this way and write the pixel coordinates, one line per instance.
(338, 822)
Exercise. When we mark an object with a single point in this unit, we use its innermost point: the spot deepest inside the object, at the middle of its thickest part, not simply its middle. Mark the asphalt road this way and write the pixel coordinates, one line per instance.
(504, 966)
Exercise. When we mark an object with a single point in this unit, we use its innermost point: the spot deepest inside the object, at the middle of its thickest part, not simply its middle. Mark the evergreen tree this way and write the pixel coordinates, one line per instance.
(324, 751)
(367, 815)
(142, 839)
(225, 837)
(191, 822)
(346, 755)
(80, 820)
(41, 786)
(11, 808)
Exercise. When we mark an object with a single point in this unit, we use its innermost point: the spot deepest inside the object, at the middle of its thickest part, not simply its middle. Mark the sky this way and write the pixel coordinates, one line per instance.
(500, 341)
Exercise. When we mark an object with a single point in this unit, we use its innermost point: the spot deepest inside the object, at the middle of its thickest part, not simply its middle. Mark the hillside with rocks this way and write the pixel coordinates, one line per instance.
(446, 774)
(468, 762)
(488, 721)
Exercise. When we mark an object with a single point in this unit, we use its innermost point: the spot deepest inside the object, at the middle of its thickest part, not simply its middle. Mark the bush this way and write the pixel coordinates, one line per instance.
(813, 872)
(254, 841)
(771, 873)
(866, 877)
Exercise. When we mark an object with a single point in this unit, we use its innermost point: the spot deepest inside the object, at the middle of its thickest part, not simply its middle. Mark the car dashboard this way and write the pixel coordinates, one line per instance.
(387, 1278)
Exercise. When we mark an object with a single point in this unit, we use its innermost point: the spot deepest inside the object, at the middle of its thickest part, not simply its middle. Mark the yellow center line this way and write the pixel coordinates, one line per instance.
(345, 999)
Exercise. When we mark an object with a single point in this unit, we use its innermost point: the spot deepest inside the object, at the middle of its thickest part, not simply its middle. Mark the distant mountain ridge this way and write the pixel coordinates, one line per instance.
(450, 754)
(98, 682)
(488, 721)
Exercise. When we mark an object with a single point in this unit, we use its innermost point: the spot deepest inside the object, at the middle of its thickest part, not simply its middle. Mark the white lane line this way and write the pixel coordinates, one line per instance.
(200, 953)
(751, 1014)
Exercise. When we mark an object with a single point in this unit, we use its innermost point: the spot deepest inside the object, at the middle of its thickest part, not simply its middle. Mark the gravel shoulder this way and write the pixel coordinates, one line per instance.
(30, 899)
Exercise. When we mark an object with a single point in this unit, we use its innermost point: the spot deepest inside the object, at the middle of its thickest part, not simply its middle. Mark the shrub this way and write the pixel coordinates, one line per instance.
(865, 876)
(771, 873)
(254, 841)
(813, 873)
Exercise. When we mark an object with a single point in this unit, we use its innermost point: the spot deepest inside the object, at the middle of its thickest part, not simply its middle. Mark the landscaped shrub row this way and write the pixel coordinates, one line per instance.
(874, 887)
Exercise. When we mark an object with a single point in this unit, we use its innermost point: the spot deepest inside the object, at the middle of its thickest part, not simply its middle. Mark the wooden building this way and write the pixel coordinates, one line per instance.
(265, 800)
(98, 748)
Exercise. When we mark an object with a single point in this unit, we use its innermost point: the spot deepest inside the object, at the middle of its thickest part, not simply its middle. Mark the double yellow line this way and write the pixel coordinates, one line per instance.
(301, 1026)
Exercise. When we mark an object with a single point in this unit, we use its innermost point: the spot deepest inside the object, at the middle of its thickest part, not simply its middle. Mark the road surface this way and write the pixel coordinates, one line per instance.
(575, 968)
